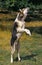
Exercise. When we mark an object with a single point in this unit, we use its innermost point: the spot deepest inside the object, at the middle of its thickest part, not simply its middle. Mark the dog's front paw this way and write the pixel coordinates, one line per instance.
(28, 32)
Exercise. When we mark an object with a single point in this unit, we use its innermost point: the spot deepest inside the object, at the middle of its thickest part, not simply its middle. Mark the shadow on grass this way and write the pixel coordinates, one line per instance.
(28, 57)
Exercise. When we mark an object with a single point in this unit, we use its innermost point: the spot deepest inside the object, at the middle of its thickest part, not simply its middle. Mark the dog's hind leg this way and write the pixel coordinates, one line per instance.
(12, 52)
(13, 39)
(18, 50)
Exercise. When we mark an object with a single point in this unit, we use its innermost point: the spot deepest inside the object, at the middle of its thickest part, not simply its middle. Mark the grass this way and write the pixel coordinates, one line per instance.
(30, 47)
(30, 50)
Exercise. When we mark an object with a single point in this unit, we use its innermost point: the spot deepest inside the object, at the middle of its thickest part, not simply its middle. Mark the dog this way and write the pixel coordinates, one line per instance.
(18, 29)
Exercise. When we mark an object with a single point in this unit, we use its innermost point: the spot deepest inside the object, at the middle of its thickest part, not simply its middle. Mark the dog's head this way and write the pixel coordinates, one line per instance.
(23, 13)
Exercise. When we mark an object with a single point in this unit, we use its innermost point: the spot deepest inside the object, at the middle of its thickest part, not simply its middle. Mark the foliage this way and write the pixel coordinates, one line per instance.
(16, 4)
(6, 3)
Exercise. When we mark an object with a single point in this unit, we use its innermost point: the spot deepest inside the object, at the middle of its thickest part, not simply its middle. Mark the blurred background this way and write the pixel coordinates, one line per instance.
(10, 8)
(31, 46)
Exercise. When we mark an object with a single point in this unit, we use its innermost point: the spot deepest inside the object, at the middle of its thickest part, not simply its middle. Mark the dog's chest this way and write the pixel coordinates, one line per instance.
(21, 24)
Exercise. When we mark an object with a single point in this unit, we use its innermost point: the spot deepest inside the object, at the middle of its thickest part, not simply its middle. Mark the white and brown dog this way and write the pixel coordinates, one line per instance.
(18, 29)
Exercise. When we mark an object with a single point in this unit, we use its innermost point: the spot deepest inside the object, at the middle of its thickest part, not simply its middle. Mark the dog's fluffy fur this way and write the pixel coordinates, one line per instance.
(18, 29)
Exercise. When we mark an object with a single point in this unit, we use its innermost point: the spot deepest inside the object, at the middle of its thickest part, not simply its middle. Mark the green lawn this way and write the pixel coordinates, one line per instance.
(30, 50)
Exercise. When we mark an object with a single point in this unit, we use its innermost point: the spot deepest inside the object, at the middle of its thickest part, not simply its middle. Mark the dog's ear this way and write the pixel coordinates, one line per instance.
(21, 11)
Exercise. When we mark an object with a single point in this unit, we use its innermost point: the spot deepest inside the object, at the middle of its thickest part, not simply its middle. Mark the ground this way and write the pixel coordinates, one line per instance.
(30, 50)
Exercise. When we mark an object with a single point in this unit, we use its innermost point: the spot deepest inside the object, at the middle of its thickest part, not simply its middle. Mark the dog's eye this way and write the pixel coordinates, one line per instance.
(21, 15)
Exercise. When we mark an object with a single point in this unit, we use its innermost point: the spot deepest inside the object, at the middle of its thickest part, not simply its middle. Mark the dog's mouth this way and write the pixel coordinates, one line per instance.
(25, 12)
